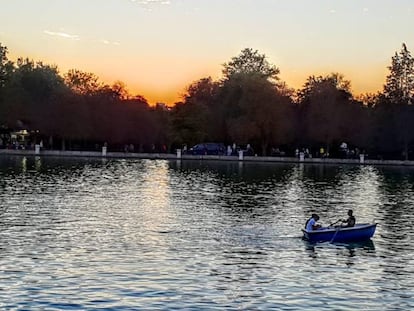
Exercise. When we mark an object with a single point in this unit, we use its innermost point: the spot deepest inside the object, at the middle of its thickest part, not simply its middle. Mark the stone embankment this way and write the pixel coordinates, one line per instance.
(179, 156)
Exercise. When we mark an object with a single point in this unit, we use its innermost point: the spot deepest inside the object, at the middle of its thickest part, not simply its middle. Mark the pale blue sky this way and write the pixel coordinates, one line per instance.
(158, 47)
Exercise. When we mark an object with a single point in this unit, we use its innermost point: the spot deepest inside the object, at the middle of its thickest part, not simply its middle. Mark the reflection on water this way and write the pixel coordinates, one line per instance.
(88, 234)
(347, 249)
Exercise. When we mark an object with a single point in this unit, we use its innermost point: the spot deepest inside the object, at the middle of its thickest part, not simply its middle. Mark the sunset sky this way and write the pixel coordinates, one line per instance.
(158, 47)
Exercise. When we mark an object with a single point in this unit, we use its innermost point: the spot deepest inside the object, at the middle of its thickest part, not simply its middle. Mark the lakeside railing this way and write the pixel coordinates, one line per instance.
(104, 153)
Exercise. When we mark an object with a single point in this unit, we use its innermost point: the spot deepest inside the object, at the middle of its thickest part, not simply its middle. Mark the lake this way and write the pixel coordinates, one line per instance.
(97, 234)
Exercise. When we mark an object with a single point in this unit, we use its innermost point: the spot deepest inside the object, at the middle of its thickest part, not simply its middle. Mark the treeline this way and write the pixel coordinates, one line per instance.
(76, 110)
(248, 105)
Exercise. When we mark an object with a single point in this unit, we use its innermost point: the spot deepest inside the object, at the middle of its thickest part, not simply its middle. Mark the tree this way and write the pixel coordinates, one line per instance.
(120, 90)
(257, 111)
(6, 66)
(193, 120)
(399, 90)
(324, 103)
(162, 128)
(399, 86)
(253, 105)
(250, 62)
(384, 128)
(30, 92)
(83, 83)
(6, 69)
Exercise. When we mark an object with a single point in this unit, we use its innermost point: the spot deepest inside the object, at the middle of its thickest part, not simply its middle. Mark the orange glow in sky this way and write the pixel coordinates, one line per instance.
(158, 47)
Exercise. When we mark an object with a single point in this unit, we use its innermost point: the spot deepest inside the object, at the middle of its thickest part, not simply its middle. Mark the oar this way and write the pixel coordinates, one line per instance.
(337, 230)
(334, 236)
(335, 223)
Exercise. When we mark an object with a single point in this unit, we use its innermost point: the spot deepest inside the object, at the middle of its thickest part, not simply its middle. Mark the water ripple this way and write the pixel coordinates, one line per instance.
(86, 234)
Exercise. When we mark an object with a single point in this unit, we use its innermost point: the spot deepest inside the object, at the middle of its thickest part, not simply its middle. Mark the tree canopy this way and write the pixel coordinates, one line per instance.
(250, 61)
(6, 66)
(399, 86)
(248, 105)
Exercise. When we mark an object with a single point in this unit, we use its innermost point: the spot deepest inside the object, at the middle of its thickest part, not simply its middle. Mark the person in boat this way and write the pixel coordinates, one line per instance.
(311, 223)
(350, 222)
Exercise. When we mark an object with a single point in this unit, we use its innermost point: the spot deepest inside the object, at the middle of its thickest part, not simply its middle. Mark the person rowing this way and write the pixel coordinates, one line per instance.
(350, 221)
(345, 223)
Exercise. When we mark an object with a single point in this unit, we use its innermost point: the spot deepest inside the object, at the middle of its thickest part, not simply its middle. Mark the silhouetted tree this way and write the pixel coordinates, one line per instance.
(256, 110)
(119, 88)
(33, 89)
(384, 131)
(250, 62)
(399, 90)
(325, 101)
(162, 125)
(84, 83)
(248, 105)
(6, 69)
(399, 86)
(6, 66)
(193, 120)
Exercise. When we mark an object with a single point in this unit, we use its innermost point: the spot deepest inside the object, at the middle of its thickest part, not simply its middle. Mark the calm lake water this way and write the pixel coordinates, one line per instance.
(92, 234)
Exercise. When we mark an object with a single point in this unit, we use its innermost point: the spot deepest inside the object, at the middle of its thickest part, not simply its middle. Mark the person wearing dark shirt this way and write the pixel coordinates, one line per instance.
(350, 222)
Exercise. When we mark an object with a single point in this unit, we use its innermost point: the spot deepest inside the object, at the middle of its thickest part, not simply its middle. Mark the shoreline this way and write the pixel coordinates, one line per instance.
(178, 156)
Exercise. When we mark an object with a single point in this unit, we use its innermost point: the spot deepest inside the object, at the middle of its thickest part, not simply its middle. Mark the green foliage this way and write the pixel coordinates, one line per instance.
(31, 90)
(250, 62)
(6, 66)
(37, 98)
(248, 106)
(257, 111)
(193, 120)
(399, 86)
(398, 99)
(119, 90)
(83, 83)
(200, 101)
(6, 69)
(326, 103)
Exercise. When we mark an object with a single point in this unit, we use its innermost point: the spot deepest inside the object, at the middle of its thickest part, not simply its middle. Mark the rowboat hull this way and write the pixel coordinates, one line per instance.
(360, 232)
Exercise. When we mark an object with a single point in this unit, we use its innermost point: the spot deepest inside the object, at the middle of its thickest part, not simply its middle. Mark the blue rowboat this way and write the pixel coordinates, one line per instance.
(360, 232)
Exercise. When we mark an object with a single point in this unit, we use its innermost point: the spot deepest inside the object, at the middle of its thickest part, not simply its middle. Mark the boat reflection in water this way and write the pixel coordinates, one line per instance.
(366, 246)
